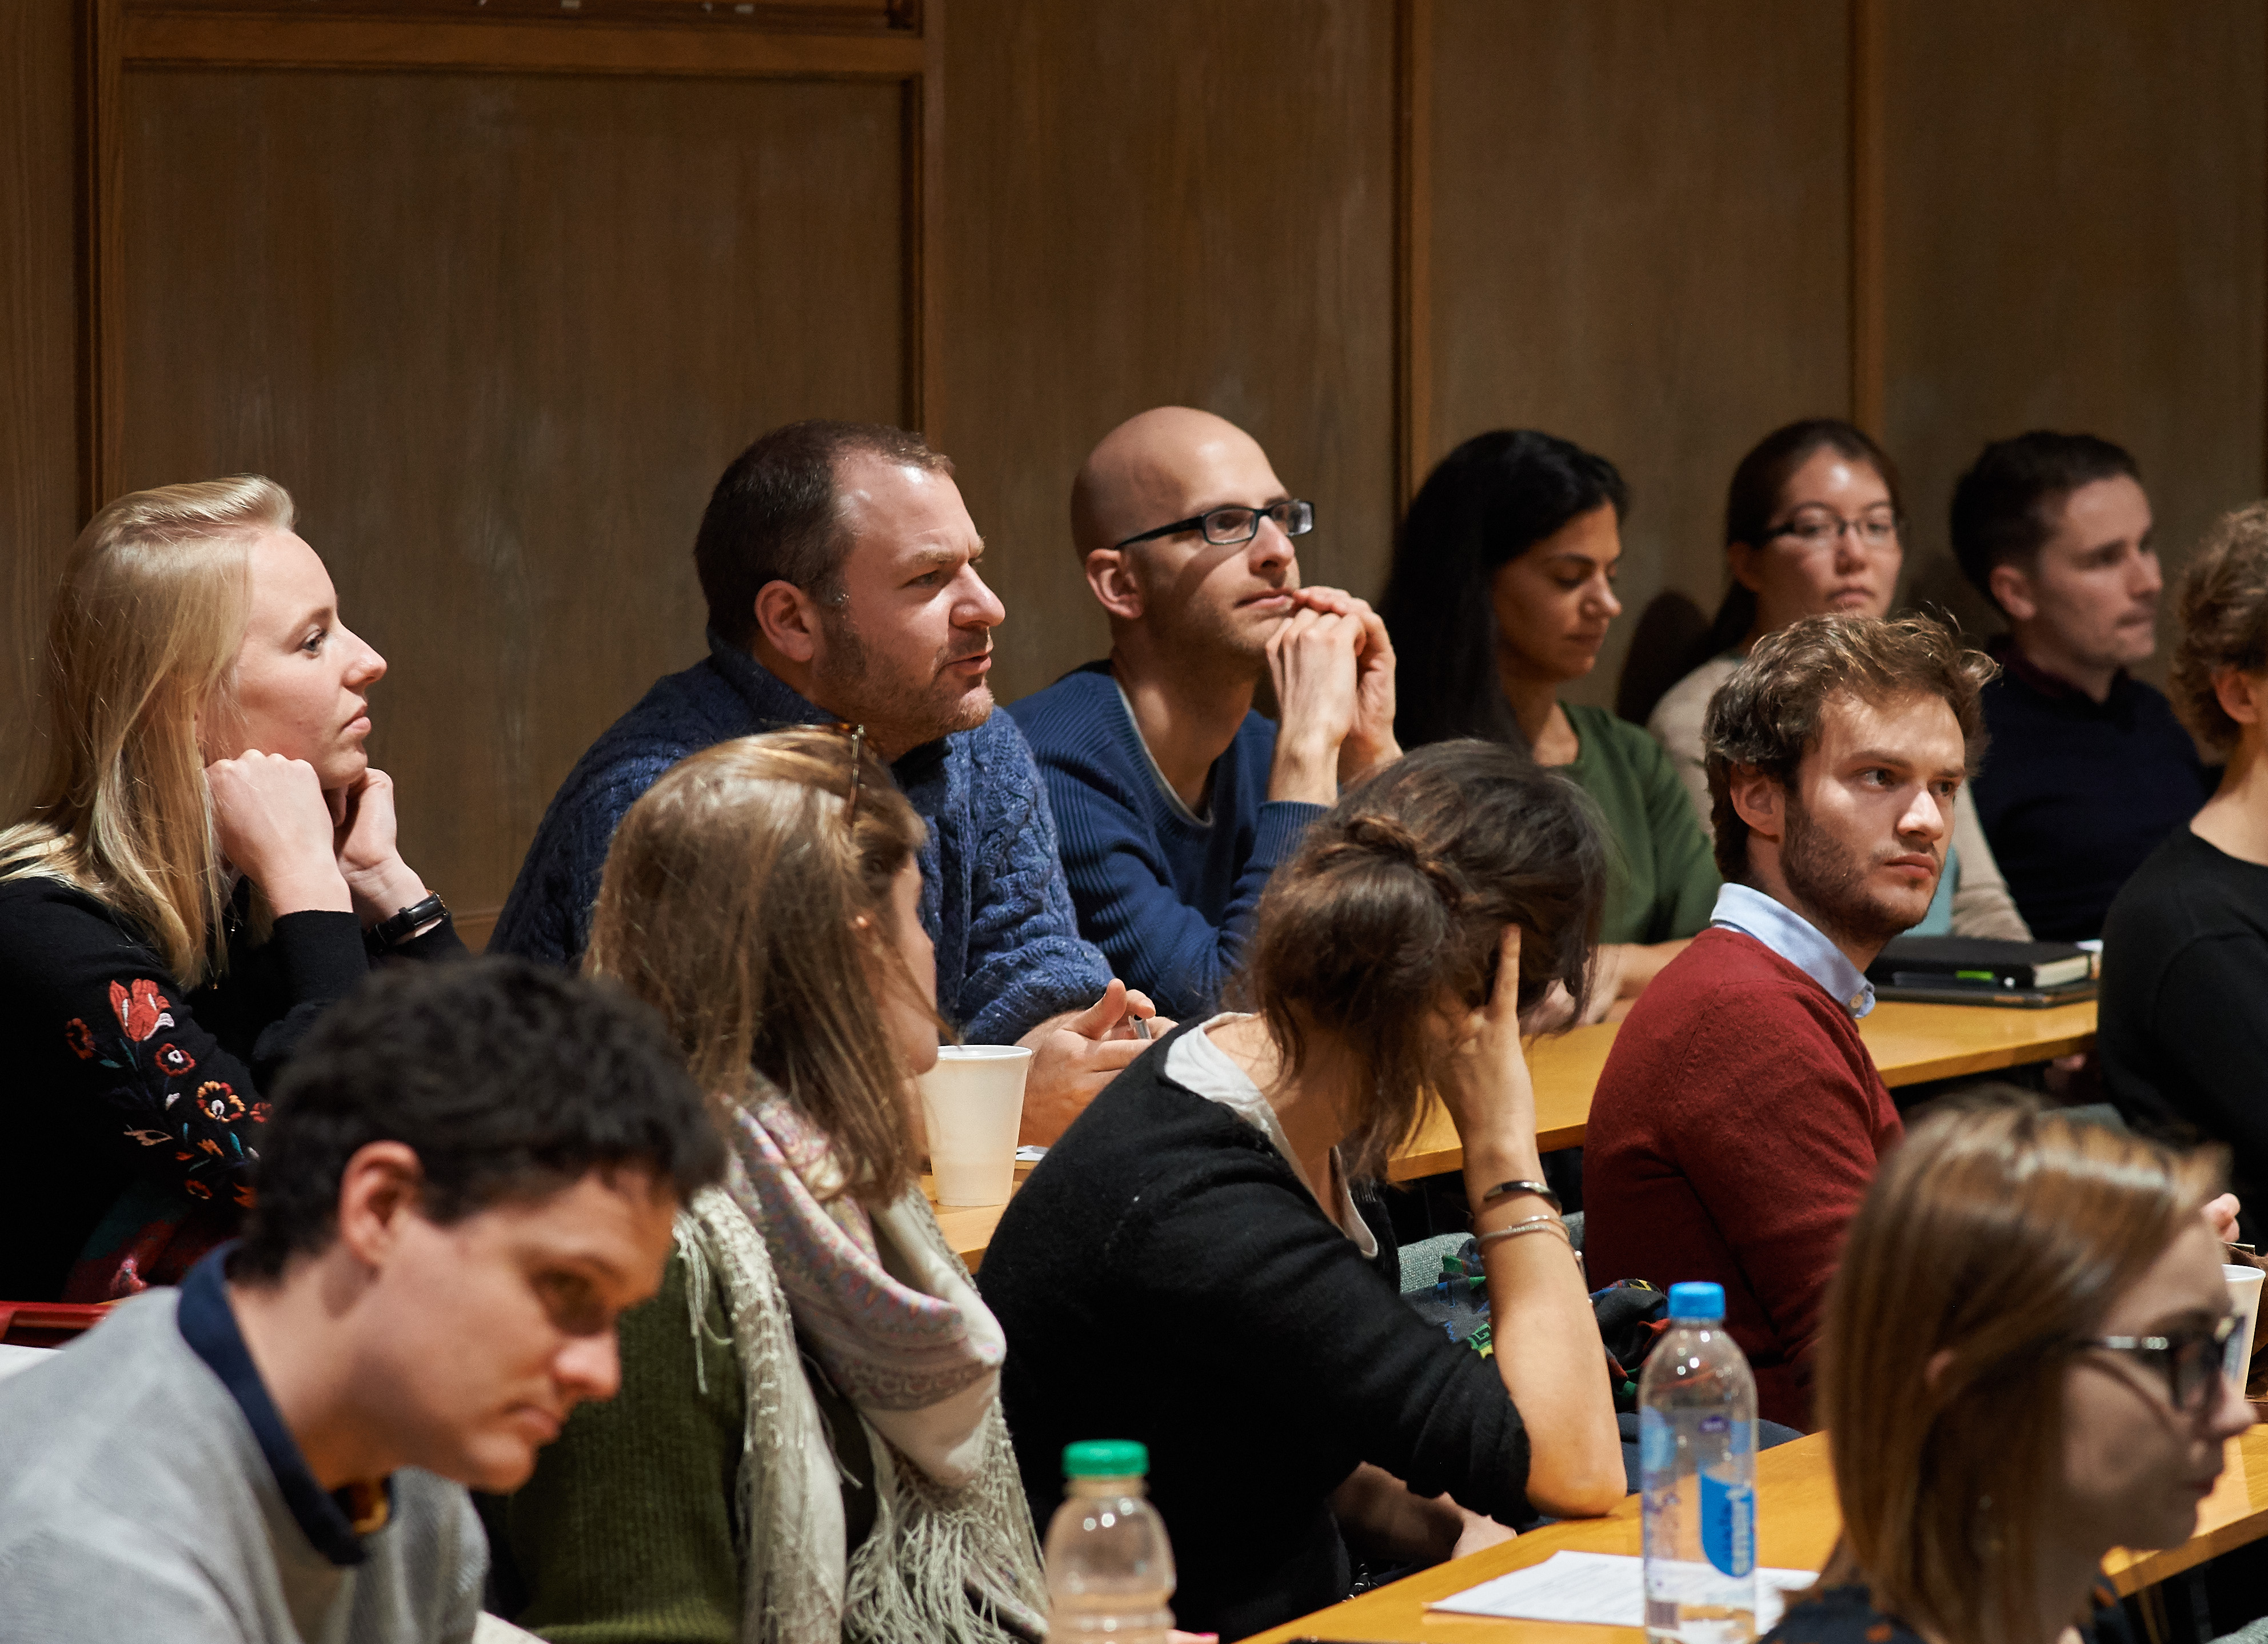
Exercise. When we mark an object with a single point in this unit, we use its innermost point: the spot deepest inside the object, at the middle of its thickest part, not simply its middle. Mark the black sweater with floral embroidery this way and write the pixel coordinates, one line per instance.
(135, 1110)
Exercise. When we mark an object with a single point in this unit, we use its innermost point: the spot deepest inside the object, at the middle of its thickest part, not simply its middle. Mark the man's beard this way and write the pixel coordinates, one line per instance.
(1830, 884)
(900, 713)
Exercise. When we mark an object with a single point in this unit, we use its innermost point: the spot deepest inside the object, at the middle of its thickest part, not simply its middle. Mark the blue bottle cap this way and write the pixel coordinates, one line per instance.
(1695, 1300)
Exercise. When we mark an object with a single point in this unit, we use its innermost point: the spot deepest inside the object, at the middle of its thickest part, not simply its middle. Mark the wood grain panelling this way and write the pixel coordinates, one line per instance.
(1641, 242)
(1166, 203)
(2074, 237)
(499, 336)
(38, 319)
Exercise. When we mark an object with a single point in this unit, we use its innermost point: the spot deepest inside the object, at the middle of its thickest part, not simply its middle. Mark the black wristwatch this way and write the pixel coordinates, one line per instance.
(390, 932)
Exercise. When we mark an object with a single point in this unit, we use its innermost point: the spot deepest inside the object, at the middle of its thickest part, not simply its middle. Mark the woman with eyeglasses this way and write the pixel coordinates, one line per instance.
(2022, 1369)
(1814, 528)
(1500, 595)
(808, 1442)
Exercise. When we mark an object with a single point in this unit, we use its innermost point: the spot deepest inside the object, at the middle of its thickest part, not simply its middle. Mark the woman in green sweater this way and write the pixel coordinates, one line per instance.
(808, 1443)
(1502, 589)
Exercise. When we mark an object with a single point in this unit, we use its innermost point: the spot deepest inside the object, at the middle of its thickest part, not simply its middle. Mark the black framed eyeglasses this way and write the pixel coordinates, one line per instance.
(1817, 532)
(2186, 1359)
(1225, 527)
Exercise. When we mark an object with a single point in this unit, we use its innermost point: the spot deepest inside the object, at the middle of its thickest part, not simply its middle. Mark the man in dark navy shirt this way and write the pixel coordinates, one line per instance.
(2088, 769)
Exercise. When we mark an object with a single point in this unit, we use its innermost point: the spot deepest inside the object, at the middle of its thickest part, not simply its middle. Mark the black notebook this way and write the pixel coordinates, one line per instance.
(1983, 962)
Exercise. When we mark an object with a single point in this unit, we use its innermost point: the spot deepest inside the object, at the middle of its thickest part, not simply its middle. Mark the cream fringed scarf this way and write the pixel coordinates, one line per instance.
(952, 1554)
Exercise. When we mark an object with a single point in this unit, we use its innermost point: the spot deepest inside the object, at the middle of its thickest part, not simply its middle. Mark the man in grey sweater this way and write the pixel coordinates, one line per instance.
(470, 1172)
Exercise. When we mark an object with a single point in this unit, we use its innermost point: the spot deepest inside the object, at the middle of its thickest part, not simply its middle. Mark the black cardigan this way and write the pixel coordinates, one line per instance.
(135, 1106)
(1164, 1276)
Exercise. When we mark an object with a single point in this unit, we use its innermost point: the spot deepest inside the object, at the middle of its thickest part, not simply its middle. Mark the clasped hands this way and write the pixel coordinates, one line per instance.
(306, 848)
(1332, 666)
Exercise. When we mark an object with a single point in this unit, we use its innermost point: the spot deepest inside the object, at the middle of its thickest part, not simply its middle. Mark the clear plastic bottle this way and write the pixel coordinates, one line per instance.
(1110, 1569)
(1698, 1448)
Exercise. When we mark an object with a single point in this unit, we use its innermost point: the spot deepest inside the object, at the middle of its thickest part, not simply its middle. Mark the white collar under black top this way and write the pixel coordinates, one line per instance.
(1796, 940)
(1195, 1063)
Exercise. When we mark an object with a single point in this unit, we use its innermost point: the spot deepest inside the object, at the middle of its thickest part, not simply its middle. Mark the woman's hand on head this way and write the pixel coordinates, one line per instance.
(363, 843)
(1485, 1082)
(275, 828)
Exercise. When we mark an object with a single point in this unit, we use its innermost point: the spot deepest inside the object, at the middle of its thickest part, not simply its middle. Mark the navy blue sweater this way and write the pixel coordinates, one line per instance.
(993, 899)
(2075, 793)
(1168, 896)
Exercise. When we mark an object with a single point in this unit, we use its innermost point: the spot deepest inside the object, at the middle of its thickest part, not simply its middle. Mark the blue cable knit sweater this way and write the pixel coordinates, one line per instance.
(1009, 955)
(1168, 897)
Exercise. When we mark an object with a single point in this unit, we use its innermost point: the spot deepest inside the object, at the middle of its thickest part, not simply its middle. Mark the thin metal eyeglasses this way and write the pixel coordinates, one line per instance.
(1225, 527)
(1818, 531)
(2187, 1360)
(857, 735)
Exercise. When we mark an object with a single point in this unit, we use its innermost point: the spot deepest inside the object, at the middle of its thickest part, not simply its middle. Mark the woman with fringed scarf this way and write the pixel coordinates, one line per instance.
(808, 1443)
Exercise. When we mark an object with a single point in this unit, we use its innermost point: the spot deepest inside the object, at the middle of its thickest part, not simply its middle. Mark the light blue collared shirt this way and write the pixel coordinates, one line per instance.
(1796, 940)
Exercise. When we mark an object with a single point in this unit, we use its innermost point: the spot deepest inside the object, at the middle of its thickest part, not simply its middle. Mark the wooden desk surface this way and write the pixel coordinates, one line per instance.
(1797, 1521)
(1910, 1044)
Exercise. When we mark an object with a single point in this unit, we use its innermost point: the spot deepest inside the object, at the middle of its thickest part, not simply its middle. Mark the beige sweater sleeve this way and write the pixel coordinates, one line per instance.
(1982, 905)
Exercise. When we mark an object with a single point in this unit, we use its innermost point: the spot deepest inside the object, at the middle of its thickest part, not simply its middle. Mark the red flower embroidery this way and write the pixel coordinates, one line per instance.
(199, 1189)
(244, 1196)
(210, 1146)
(81, 1039)
(260, 1113)
(173, 1060)
(217, 1101)
(141, 1012)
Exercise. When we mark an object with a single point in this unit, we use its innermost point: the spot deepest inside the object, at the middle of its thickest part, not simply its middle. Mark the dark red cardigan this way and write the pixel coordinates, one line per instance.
(1735, 1130)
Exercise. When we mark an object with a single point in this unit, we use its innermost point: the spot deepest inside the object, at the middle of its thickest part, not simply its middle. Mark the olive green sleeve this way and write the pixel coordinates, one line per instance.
(626, 1533)
(1686, 881)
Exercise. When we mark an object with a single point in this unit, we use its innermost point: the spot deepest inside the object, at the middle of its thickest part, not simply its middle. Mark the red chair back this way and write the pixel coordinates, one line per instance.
(47, 1323)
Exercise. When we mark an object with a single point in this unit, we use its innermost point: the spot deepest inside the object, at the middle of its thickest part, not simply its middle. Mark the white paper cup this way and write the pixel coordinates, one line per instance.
(972, 1103)
(2245, 1293)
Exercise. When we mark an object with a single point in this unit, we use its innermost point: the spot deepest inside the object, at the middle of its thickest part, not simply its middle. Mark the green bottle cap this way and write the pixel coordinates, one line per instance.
(1107, 1458)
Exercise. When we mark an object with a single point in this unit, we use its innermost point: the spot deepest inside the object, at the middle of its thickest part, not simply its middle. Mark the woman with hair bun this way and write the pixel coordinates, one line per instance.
(207, 862)
(1198, 1264)
(2022, 1369)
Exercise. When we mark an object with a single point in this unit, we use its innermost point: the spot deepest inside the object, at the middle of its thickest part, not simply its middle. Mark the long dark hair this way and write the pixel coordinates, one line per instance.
(1753, 499)
(1491, 500)
(1399, 897)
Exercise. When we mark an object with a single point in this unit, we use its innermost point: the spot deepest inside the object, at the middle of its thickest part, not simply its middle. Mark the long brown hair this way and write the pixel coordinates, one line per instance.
(737, 904)
(144, 637)
(1997, 1235)
(1398, 898)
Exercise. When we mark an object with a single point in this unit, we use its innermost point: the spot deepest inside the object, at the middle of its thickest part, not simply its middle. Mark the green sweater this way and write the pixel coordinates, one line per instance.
(1663, 881)
(629, 1531)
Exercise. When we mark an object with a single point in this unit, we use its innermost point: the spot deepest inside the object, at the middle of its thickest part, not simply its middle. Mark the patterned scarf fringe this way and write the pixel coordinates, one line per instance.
(962, 1565)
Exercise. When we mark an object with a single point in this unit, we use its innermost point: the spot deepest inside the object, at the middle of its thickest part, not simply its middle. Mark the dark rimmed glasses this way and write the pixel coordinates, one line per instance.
(1814, 533)
(2187, 1360)
(857, 735)
(1225, 527)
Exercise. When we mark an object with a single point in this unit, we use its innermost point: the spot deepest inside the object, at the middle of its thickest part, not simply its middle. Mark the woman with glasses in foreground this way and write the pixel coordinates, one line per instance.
(807, 1443)
(2022, 1368)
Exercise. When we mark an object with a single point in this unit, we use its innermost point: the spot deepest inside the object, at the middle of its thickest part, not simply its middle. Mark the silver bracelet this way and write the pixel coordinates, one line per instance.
(1533, 1224)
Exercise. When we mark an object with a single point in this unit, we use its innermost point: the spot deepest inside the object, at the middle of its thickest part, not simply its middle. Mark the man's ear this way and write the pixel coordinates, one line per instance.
(2012, 590)
(1110, 573)
(2243, 697)
(383, 1182)
(787, 619)
(1758, 799)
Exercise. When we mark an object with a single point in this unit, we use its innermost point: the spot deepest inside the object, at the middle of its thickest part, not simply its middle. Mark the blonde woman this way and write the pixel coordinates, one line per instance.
(808, 1444)
(2022, 1369)
(207, 861)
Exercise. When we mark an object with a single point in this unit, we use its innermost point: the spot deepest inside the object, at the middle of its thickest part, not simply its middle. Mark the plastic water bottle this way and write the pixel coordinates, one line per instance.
(1110, 1569)
(1697, 1447)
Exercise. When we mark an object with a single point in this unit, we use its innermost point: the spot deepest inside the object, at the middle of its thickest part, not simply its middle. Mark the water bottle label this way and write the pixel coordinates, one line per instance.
(1657, 1440)
(1728, 1519)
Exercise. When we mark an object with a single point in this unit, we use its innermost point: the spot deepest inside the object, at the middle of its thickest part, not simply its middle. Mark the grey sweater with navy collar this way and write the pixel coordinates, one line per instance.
(137, 1501)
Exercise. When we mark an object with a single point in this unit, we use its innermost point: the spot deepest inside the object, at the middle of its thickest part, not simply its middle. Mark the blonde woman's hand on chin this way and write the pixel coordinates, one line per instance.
(362, 838)
(275, 828)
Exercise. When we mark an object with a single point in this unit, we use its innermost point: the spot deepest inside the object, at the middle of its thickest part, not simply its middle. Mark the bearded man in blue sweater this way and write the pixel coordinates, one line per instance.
(1176, 800)
(840, 566)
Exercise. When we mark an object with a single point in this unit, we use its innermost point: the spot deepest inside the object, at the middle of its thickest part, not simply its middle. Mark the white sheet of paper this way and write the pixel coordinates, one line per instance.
(1605, 1589)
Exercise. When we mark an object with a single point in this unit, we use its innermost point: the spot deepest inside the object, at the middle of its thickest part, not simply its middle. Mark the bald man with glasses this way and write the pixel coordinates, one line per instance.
(1174, 801)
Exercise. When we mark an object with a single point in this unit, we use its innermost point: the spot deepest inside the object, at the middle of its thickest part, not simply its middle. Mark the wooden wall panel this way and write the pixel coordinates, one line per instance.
(2074, 234)
(499, 336)
(39, 340)
(1641, 242)
(1167, 203)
